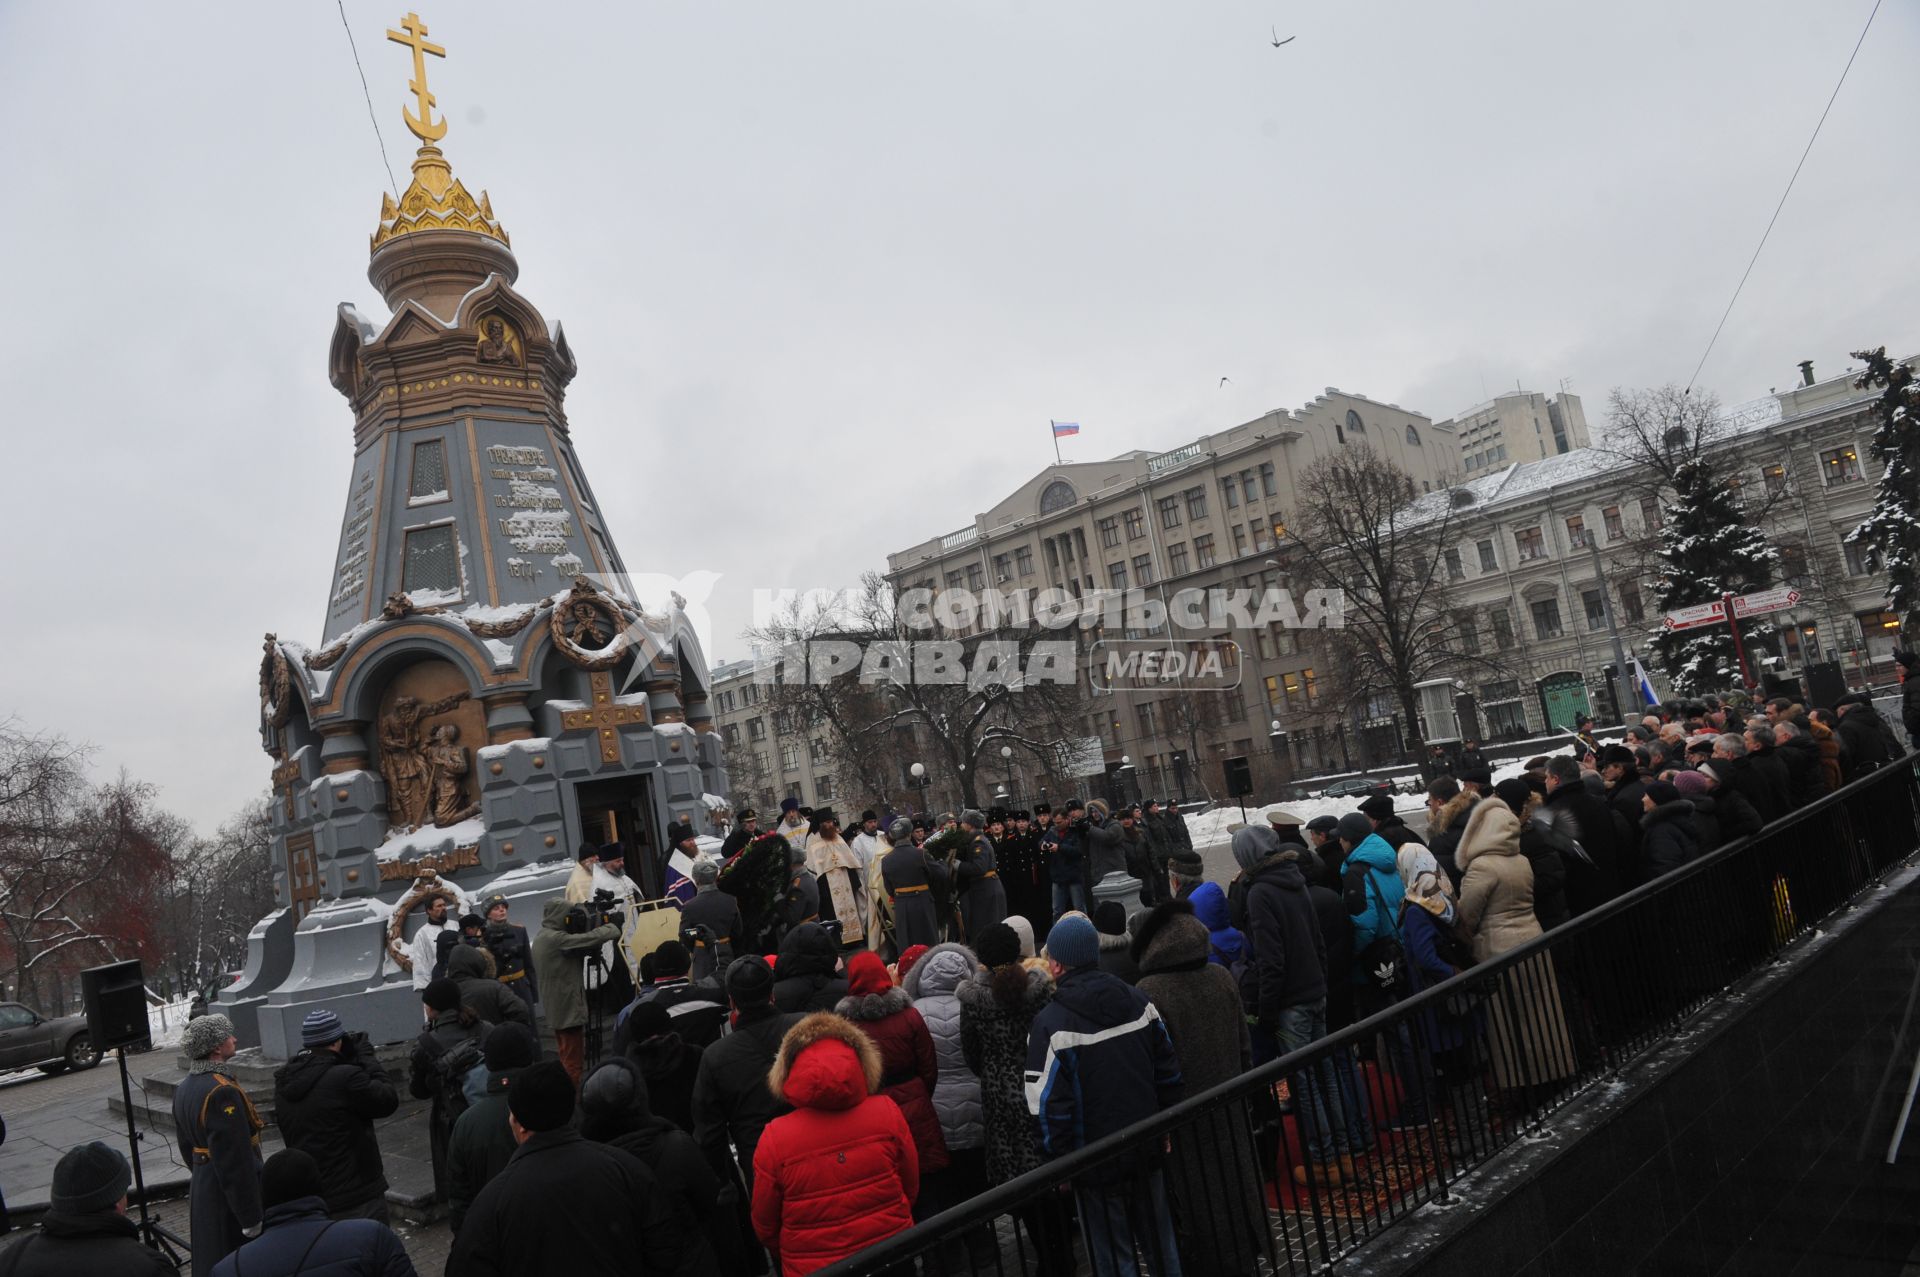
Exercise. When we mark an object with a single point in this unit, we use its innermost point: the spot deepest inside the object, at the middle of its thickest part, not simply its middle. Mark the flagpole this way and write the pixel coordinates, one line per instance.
(1056, 442)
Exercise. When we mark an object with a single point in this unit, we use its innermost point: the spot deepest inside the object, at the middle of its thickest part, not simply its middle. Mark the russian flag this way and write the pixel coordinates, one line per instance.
(1643, 683)
(1061, 429)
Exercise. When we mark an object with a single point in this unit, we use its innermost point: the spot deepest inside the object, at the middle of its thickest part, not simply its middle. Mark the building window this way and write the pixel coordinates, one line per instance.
(1466, 633)
(1239, 541)
(1455, 569)
(1203, 550)
(1169, 512)
(1487, 561)
(433, 561)
(1413, 437)
(1143, 712)
(1177, 559)
(1631, 608)
(823, 788)
(1577, 532)
(429, 471)
(1595, 606)
(789, 756)
(1196, 503)
(1313, 687)
(1546, 617)
(1736, 490)
(1023, 560)
(1058, 495)
(1530, 544)
(1143, 569)
(1246, 487)
(1117, 575)
(1793, 565)
(1267, 484)
(1279, 529)
(955, 580)
(976, 577)
(1273, 691)
(1290, 684)
(1262, 539)
(1840, 465)
(1615, 528)
(1053, 553)
(1136, 521)
(1002, 567)
(1650, 516)
(1858, 560)
(1502, 629)
(1230, 493)
(1110, 532)
(1774, 476)
(1354, 424)
(1505, 718)
(1236, 708)
(756, 729)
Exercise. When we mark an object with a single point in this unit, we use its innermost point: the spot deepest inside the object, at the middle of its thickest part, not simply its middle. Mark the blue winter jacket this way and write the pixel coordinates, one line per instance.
(1099, 1059)
(1370, 877)
(1229, 944)
(349, 1248)
(1063, 865)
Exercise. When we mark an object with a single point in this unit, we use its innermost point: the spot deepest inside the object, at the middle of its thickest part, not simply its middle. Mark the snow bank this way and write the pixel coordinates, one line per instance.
(432, 838)
(167, 1021)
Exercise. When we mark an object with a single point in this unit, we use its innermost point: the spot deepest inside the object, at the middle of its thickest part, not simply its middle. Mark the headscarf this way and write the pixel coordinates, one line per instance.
(1425, 885)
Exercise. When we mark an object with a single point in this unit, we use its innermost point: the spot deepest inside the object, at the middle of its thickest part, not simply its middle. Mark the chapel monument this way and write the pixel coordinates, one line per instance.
(486, 694)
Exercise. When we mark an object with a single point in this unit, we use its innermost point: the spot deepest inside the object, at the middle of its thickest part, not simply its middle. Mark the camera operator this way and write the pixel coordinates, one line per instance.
(568, 934)
(1064, 847)
(326, 1100)
(512, 952)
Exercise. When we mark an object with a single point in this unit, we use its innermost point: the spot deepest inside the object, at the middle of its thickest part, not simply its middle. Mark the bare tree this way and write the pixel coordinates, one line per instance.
(1364, 527)
(221, 886)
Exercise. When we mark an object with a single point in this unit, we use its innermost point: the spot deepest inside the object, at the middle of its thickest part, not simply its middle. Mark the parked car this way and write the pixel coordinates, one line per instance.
(1357, 787)
(30, 1040)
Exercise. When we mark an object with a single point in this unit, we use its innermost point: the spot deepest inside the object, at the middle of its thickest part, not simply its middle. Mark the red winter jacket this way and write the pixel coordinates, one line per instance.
(839, 1173)
(909, 1065)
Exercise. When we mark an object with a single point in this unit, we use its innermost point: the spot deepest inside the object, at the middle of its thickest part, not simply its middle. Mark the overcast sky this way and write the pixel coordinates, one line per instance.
(830, 267)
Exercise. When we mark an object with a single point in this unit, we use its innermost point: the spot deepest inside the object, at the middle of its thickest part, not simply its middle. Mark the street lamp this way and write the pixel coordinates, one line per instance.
(919, 773)
(1126, 777)
(1006, 758)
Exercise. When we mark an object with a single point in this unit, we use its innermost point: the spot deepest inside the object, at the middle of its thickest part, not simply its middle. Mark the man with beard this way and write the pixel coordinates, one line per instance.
(836, 866)
(868, 844)
(425, 947)
(793, 824)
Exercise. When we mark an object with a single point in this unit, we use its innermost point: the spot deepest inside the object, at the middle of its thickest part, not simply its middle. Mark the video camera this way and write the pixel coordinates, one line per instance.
(602, 910)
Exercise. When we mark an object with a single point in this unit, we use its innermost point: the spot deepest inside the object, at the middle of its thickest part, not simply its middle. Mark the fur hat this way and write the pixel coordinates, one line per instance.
(974, 817)
(1073, 942)
(789, 804)
(1187, 864)
(823, 1026)
(1110, 918)
(89, 1179)
(900, 830)
(1378, 806)
(1514, 792)
(204, 1034)
(997, 945)
(1097, 809)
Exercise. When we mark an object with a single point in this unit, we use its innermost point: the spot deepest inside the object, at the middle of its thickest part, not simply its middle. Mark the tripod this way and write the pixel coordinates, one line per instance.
(594, 979)
(155, 1234)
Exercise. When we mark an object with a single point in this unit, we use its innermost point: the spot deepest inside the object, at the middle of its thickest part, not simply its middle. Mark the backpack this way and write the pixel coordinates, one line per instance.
(453, 1068)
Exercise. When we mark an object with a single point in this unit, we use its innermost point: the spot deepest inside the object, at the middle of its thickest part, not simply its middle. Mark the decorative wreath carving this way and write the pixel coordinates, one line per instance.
(589, 628)
(398, 607)
(276, 700)
(425, 887)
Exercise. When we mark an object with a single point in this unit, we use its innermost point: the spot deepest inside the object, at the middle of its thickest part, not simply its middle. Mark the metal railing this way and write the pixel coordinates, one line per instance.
(1427, 1090)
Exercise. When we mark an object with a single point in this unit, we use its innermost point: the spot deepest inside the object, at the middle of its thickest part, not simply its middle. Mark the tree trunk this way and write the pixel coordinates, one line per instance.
(1415, 739)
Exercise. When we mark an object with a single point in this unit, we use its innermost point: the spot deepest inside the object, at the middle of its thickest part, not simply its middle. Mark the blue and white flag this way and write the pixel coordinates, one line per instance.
(1645, 684)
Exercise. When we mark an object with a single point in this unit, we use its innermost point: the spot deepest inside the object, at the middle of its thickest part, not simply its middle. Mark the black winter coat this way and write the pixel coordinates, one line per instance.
(805, 972)
(1805, 780)
(490, 1000)
(1549, 875)
(348, 1248)
(670, 1066)
(326, 1105)
(103, 1242)
(1395, 833)
(1763, 778)
(565, 1206)
(1289, 951)
(1589, 821)
(1866, 745)
(1736, 817)
(730, 1095)
(1669, 838)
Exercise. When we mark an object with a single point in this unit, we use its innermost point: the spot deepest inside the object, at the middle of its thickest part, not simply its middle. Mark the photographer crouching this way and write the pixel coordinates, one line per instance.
(569, 936)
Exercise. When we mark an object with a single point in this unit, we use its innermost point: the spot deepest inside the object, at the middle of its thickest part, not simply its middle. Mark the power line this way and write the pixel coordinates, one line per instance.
(1783, 200)
(368, 94)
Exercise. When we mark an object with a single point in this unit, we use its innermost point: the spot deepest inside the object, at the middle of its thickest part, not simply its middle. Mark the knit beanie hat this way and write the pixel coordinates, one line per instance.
(510, 1046)
(541, 1099)
(1514, 792)
(89, 1178)
(288, 1176)
(1022, 932)
(1074, 943)
(1110, 918)
(997, 945)
(750, 981)
(1690, 783)
(670, 959)
(204, 1034)
(320, 1028)
(441, 995)
(913, 954)
(866, 974)
(1354, 828)
(1662, 791)
(649, 1020)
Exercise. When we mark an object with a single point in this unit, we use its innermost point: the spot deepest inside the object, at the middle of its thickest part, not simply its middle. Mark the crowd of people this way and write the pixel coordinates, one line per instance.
(849, 1035)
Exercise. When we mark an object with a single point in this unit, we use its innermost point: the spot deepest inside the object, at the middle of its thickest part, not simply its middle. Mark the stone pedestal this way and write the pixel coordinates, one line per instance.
(1122, 886)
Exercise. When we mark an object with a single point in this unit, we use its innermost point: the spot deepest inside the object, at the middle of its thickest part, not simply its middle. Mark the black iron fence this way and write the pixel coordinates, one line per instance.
(1297, 1162)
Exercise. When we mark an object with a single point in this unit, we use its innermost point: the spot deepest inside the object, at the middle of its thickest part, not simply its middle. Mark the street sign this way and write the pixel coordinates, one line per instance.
(1765, 601)
(1691, 618)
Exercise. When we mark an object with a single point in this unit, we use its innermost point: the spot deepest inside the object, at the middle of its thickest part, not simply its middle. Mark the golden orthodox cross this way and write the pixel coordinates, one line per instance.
(424, 126)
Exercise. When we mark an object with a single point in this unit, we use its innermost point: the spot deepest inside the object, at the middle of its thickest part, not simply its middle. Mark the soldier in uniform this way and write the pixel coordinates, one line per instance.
(983, 900)
(219, 1132)
(909, 877)
(512, 951)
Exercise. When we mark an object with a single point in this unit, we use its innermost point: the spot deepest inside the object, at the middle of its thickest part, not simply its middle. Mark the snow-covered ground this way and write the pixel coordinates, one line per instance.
(167, 1020)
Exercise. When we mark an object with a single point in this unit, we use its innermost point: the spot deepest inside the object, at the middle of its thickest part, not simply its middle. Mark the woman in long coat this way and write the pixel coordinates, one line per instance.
(1526, 1026)
(1214, 1172)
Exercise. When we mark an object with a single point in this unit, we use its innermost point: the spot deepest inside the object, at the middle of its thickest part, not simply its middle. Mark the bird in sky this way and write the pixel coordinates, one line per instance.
(1277, 41)
(1223, 381)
